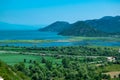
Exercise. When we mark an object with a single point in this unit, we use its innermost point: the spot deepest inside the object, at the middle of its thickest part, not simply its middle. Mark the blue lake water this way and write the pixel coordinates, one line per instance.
(29, 35)
(36, 35)
(81, 43)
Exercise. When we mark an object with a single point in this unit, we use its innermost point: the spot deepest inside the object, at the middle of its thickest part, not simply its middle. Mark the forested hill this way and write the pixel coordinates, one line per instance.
(10, 73)
(106, 24)
(57, 26)
(80, 28)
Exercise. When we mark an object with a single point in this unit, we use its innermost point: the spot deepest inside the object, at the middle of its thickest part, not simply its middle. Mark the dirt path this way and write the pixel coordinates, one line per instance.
(113, 74)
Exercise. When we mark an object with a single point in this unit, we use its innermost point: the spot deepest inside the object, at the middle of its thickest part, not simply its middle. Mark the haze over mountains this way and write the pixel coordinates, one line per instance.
(7, 26)
(105, 26)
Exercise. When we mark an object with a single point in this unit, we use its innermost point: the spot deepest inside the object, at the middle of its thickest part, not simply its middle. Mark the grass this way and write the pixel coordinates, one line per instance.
(25, 41)
(8, 73)
(12, 59)
(71, 39)
(113, 67)
(94, 38)
(109, 68)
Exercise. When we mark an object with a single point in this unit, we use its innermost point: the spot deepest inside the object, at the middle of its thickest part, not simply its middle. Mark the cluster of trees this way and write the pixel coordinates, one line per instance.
(78, 50)
(69, 69)
(70, 50)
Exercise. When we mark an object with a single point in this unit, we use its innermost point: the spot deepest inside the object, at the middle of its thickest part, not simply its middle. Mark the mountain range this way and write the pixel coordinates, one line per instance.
(104, 26)
(80, 28)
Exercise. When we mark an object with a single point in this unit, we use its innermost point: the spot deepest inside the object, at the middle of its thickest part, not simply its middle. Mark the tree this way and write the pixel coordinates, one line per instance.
(25, 60)
(65, 62)
(20, 67)
(43, 60)
(48, 65)
(30, 61)
(34, 62)
(35, 76)
(104, 76)
(71, 75)
(119, 76)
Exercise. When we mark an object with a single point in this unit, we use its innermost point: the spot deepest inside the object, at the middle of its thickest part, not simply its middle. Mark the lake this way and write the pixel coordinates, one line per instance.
(37, 35)
(29, 35)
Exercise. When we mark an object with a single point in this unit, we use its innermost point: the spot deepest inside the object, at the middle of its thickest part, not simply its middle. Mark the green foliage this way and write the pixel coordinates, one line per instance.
(48, 64)
(109, 67)
(61, 63)
(61, 72)
(106, 24)
(10, 73)
(80, 28)
(66, 62)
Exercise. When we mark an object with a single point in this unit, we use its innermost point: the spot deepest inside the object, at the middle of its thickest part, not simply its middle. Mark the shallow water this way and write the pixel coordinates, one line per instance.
(80, 43)
(37, 35)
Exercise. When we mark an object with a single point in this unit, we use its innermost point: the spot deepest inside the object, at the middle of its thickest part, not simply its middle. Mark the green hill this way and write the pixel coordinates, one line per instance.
(57, 26)
(9, 73)
(107, 24)
(80, 28)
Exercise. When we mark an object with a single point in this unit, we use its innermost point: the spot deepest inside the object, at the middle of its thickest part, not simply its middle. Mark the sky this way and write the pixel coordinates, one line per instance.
(35, 12)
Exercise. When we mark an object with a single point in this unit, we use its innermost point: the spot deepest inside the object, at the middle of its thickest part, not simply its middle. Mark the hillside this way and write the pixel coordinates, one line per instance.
(57, 26)
(8, 73)
(107, 24)
(80, 28)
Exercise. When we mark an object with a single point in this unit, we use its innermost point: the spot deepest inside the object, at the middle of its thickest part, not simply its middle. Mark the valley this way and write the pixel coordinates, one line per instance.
(62, 51)
(91, 59)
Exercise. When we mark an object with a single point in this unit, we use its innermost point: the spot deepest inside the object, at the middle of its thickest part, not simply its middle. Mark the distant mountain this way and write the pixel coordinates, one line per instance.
(107, 24)
(57, 26)
(80, 28)
(7, 26)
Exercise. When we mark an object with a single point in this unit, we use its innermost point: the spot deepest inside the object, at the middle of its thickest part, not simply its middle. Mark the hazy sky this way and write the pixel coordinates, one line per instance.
(48, 11)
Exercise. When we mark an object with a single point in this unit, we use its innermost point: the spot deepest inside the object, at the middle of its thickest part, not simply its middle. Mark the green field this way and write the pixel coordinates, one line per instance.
(70, 39)
(12, 59)
(24, 41)
(109, 68)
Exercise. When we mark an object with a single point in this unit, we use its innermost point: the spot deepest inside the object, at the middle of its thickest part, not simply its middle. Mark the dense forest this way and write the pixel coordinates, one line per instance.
(69, 50)
(80, 28)
(107, 24)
